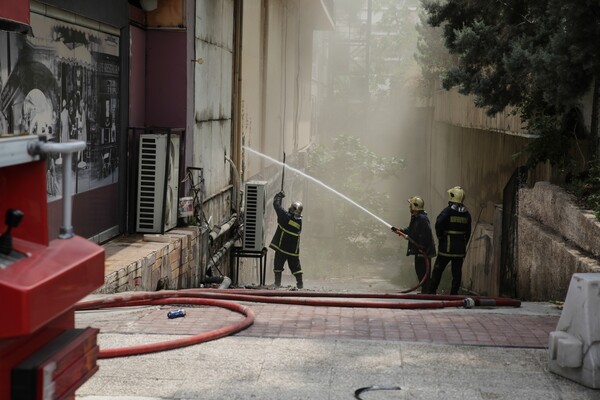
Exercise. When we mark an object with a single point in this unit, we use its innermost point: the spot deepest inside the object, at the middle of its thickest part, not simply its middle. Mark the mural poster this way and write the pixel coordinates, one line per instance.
(63, 84)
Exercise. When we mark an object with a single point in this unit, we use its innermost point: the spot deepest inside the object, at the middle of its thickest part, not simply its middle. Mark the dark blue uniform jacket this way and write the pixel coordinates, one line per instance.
(289, 227)
(419, 230)
(453, 230)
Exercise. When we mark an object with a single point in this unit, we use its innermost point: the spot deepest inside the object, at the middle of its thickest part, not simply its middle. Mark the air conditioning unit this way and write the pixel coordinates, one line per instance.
(158, 183)
(255, 196)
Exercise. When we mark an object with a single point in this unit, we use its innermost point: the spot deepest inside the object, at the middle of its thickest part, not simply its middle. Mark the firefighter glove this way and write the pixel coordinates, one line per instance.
(280, 194)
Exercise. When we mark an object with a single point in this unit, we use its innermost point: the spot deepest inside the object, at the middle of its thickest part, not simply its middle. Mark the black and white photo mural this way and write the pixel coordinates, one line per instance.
(63, 83)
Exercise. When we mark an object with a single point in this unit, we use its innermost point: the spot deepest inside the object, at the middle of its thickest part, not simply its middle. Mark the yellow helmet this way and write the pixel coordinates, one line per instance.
(416, 203)
(456, 194)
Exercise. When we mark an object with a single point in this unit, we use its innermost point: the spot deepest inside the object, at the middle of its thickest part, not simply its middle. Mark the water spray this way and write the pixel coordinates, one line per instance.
(349, 200)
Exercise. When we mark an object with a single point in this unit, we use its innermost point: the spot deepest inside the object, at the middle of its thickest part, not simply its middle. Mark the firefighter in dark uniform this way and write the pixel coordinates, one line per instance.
(453, 230)
(286, 241)
(420, 239)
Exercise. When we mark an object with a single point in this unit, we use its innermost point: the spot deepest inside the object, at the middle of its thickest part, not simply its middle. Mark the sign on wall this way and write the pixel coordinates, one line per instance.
(63, 83)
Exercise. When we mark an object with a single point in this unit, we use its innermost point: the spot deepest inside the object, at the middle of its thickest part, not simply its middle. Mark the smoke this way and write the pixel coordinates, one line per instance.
(370, 144)
(371, 98)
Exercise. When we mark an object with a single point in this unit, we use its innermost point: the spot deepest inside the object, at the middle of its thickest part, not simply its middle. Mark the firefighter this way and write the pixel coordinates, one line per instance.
(420, 238)
(286, 241)
(453, 230)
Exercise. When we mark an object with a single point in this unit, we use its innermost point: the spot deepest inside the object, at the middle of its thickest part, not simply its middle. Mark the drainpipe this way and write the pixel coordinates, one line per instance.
(236, 186)
(225, 281)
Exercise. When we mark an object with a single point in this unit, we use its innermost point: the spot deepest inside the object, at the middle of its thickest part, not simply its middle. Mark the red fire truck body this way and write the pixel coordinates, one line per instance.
(42, 355)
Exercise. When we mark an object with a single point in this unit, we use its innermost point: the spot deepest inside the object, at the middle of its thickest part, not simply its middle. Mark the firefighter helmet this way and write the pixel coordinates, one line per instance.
(416, 203)
(296, 208)
(456, 194)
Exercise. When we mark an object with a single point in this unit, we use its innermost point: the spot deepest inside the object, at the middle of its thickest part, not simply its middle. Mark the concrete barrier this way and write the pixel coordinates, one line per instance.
(574, 348)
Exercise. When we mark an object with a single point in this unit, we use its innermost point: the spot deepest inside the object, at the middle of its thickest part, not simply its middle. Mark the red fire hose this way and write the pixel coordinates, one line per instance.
(427, 261)
(152, 299)
(214, 297)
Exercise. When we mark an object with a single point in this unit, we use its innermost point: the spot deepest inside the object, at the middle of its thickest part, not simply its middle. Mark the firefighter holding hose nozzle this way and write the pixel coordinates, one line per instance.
(453, 230)
(286, 241)
(420, 240)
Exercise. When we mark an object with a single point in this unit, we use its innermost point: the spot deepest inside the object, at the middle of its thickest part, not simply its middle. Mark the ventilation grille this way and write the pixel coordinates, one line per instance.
(254, 201)
(158, 176)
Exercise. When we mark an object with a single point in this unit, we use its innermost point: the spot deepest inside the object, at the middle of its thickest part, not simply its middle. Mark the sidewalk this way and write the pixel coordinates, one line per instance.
(306, 352)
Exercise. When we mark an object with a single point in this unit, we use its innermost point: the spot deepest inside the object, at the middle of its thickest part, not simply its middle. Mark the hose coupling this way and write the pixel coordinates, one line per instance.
(469, 302)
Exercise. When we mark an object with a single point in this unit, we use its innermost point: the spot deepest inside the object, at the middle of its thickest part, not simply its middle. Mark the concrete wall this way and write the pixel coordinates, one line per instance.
(479, 153)
(276, 102)
(165, 69)
(276, 81)
(212, 108)
(453, 108)
(479, 161)
(556, 239)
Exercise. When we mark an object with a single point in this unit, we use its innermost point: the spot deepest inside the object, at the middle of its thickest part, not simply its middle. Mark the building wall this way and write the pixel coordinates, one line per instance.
(480, 161)
(459, 110)
(165, 73)
(212, 115)
(276, 98)
(276, 81)
(137, 78)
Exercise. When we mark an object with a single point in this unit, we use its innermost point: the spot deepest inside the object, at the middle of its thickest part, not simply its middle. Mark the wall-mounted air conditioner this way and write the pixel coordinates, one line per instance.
(255, 196)
(158, 183)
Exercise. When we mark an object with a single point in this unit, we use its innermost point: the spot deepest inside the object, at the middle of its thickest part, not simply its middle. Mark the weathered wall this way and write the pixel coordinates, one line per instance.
(212, 114)
(480, 274)
(479, 161)
(556, 239)
(276, 81)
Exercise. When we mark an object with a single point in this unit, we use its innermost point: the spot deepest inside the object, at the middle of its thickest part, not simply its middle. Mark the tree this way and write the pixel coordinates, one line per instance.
(538, 56)
(432, 55)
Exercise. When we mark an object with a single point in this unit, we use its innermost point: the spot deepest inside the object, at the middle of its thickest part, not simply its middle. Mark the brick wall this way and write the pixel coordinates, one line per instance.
(152, 262)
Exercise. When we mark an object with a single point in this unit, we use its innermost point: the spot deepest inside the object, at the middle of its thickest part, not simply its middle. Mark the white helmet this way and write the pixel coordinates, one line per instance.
(296, 208)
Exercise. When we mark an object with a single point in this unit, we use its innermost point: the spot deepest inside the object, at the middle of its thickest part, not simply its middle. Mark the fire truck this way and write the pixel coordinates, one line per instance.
(42, 354)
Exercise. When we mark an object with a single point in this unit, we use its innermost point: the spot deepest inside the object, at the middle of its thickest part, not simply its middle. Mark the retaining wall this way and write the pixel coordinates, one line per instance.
(555, 240)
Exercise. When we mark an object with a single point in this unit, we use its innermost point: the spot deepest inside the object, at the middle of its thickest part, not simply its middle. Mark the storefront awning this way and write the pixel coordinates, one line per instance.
(14, 16)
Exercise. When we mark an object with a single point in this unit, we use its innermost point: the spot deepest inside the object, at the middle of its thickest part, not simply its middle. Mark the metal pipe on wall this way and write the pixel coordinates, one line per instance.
(224, 228)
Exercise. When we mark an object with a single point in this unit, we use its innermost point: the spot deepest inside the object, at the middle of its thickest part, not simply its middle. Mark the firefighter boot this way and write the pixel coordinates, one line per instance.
(277, 279)
(299, 283)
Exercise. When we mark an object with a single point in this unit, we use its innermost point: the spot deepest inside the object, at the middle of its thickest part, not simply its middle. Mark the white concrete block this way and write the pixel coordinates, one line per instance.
(574, 348)
(566, 349)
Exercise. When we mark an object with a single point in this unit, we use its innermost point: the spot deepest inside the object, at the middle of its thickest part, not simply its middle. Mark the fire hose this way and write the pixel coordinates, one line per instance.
(400, 233)
(159, 298)
(222, 297)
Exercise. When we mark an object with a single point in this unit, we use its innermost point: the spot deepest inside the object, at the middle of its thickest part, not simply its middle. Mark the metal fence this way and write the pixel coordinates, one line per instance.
(508, 252)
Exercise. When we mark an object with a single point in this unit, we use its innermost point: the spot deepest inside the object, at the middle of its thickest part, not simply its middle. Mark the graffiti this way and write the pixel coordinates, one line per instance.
(63, 84)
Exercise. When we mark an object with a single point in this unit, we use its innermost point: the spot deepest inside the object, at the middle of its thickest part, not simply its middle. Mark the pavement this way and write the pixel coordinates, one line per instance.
(328, 352)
